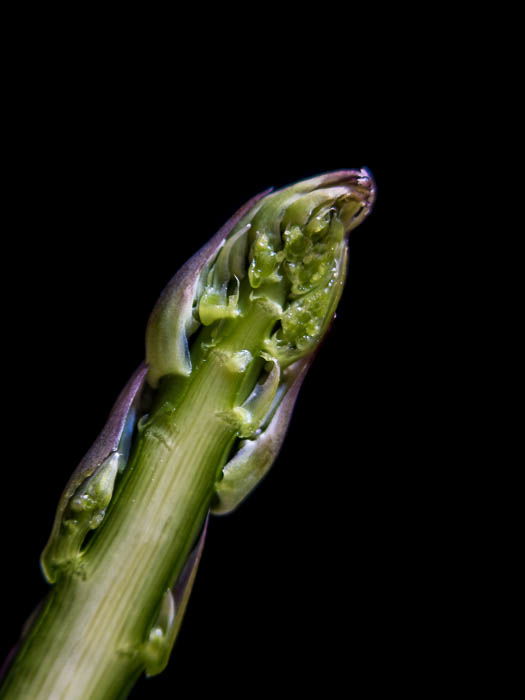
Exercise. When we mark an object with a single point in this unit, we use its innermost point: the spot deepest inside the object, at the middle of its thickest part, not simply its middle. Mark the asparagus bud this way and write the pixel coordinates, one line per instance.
(287, 248)
(283, 257)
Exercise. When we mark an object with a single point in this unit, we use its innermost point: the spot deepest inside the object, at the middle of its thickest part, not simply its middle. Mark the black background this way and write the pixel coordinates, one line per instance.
(322, 578)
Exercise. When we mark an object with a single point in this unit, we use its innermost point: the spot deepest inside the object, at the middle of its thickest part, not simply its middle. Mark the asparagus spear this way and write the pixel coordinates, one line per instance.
(196, 428)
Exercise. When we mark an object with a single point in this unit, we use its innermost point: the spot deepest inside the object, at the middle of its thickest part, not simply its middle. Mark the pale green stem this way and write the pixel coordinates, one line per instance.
(86, 642)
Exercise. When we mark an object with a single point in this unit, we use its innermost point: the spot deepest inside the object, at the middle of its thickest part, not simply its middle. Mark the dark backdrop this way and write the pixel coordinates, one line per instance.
(317, 579)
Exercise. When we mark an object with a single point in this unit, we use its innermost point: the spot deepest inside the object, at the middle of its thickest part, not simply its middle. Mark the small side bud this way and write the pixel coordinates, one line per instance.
(250, 416)
(174, 318)
(88, 493)
(163, 634)
(255, 457)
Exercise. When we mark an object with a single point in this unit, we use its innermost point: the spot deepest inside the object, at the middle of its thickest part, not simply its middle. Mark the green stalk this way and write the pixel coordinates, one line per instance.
(141, 550)
(107, 618)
